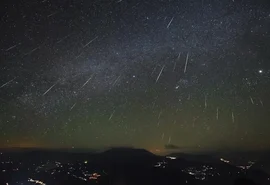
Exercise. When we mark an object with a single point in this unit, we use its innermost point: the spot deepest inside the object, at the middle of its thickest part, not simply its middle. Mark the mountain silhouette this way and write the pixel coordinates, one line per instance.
(125, 155)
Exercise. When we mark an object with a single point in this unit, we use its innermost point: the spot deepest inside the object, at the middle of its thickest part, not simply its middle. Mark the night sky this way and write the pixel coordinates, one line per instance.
(155, 74)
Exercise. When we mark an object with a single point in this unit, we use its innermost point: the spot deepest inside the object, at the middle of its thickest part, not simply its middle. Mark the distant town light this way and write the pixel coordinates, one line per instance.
(225, 161)
(36, 181)
(94, 176)
(170, 157)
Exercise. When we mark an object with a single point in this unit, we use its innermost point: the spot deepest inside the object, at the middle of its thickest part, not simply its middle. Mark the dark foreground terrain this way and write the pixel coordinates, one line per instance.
(121, 166)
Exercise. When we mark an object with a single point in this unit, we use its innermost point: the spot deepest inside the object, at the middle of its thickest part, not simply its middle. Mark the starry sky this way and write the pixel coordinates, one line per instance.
(155, 74)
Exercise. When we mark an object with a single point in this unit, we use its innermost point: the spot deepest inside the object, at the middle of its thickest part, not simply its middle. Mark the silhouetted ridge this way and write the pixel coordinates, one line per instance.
(129, 155)
(128, 151)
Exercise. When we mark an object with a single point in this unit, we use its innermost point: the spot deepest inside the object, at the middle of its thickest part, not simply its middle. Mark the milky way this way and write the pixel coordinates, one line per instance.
(192, 74)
